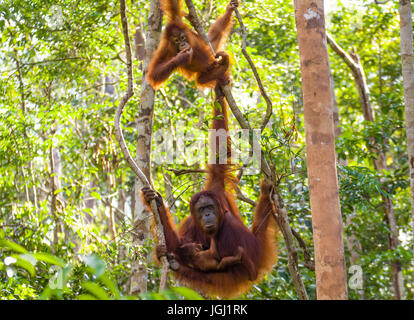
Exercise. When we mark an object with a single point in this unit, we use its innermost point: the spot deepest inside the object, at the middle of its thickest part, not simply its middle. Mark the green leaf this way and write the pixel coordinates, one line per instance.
(26, 263)
(95, 289)
(110, 285)
(49, 258)
(12, 246)
(187, 293)
(96, 195)
(152, 296)
(97, 264)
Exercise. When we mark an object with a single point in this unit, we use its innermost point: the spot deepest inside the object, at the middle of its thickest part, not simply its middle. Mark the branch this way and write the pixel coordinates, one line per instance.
(281, 217)
(120, 137)
(195, 22)
(19, 76)
(255, 73)
(342, 53)
(243, 198)
(277, 199)
(308, 261)
(186, 171)
(130, 92)
(352, 60)
(25, 64)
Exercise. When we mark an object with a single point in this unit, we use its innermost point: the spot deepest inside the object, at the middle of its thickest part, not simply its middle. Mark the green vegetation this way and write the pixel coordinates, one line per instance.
(64, 182)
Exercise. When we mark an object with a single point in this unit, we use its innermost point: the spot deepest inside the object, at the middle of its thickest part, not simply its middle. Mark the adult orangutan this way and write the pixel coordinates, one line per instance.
(215, 218)
(182, 49)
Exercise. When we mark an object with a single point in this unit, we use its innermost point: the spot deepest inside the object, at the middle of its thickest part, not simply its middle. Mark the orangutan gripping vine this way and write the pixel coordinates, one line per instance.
(216, 253)
(182, 49)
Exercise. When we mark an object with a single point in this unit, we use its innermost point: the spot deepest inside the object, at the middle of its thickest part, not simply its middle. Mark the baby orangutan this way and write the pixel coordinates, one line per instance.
(208, 260)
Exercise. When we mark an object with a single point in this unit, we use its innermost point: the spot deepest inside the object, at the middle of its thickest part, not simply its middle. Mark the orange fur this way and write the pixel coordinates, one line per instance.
(172, 9)
(264, 226)
(267, 231)
(202, 66)
(259, 243)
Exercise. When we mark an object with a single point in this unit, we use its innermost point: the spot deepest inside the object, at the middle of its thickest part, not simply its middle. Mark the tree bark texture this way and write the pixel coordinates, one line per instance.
(406, 44)
(351, 241)
(142, 220)
(54, 186)
(320, 148)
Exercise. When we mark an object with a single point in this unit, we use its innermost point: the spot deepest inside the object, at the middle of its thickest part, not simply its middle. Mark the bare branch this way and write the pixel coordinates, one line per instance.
(125, 98)
(269, 108)
(308, 260)
(179, 172)
(41, 62)
(281, 217)
(352, 60)
(243, 198)
(195, 22)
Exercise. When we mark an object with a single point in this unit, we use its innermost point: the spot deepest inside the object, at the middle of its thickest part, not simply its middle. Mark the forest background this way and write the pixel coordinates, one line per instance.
(67, 197)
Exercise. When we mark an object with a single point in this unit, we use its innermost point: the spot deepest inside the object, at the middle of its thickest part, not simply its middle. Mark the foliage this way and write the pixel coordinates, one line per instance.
(62, 73)
(88, 279)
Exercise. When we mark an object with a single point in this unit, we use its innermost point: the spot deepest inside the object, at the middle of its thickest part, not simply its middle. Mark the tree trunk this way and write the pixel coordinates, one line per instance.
(352, 242)
(406, 43)
(54, 161)
(29, 165)
(90, 202)
(320, 148)
(142, 219)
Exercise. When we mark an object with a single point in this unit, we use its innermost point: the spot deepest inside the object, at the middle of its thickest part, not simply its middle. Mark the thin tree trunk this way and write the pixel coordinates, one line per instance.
(121, 194)
(29, 166)
(54, 180)
(406, 43)
(352, 242)
(143, 154)
(353, 62)
(112, 224)
(320, 147)
(90, 203)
